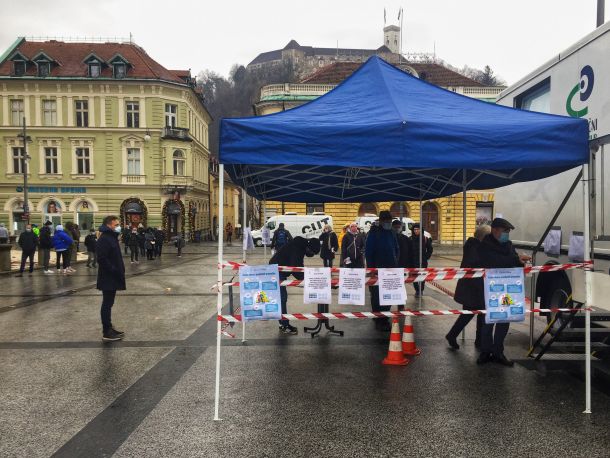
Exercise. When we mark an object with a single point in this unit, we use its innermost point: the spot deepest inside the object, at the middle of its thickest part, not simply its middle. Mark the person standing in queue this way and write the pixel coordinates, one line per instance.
(352, 248)
(159, 239)
(497, 251)
(280, 238)
(28, 243)
(46, 243)
(329, 245)
(110, 275)
(229, 232)
(469, 291)
(62, 242)
(134, 249)
(3, 233)
(426, 254)
(90, 244)
(381, 250)
(292, 254)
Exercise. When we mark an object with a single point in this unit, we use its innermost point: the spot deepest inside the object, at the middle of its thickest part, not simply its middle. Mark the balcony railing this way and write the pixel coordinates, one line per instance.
(180, 181)
(176, 133)
(273, 91)
(134, 179)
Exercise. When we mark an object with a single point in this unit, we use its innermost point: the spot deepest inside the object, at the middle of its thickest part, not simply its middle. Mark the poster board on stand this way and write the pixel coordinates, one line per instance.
(504, 295)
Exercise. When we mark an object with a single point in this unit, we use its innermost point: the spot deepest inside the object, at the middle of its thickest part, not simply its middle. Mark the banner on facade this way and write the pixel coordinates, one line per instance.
(351, 286)
(392, 289)
(259, 292)
(504, 295)
(317, 285)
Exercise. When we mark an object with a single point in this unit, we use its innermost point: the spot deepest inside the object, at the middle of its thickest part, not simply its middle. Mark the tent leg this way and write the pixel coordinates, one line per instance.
(421, 249)
(221, 184)
(264, 223)
(244, 243)
(587, 257)
(464, 209)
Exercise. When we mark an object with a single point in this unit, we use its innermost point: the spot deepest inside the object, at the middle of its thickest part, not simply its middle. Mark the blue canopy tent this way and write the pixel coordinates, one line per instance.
(385, 135)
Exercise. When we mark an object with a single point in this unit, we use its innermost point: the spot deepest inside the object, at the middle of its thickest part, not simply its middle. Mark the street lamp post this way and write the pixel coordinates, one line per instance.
(24, 169)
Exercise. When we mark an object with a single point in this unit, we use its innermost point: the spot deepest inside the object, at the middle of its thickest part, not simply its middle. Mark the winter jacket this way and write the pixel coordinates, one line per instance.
(494, 255)
(44, 239)
(159, 237)
(292, 254)
(352, 247)
(149, 241)
(426, 251)
(28, 241)
(61, 240)
(279, 236)
(405, 248)
(111, 270)
(382, 248)
(90, 242)
(329, 245)
(132, 240)
(469, 291)
(179, 241)
(141, 239)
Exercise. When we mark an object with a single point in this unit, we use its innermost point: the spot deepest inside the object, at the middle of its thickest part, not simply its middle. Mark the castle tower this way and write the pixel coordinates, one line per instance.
(391, 38)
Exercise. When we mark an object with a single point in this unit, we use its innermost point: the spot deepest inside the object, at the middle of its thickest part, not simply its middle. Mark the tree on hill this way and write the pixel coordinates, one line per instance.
(485, 76)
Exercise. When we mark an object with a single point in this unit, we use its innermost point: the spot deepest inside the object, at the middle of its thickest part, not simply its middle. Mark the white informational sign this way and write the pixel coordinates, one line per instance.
(351, 286)
(248, 241)
(392, 289)
(504, 295)
(266, 235)
(317, 285)
(259, 292)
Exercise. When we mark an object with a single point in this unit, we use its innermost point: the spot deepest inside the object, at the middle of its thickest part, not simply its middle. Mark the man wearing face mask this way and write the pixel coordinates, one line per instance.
(381, 251)
(292, 254)
(110, 274)
(352, 248)
(496, 251)
(426, 254)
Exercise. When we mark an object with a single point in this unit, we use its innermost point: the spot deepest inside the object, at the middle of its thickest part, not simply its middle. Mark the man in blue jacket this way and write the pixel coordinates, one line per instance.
(381, 250)
(110, 274)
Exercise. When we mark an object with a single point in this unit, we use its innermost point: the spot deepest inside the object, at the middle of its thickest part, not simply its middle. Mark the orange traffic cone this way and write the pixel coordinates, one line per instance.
(395, 356)
(408, 339)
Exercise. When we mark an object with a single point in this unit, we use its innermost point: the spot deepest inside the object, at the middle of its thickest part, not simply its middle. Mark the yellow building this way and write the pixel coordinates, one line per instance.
(110, 130)
(441, 217)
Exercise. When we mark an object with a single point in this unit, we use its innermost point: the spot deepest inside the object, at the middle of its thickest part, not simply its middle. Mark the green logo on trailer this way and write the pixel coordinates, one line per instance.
(584, 88)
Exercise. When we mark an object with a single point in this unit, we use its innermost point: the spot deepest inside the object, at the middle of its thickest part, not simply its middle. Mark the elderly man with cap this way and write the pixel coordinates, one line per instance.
(496, 251)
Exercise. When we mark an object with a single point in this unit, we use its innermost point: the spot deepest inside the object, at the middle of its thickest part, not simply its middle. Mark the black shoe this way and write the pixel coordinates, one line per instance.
(501, 359)
(111, 336)
(452, 342)
(117, 332)
(485, 358)
(288, 329)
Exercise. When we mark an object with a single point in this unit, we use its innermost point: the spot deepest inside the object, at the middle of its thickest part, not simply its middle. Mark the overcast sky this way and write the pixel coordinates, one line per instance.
(512, 36)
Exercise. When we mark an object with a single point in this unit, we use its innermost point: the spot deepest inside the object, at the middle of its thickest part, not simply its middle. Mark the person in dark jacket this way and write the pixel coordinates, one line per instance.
(28, 243)
(404, 245)
(469, 291)
(133, 245)
(111, 273)
(149, 244)
(329, 245)
(159, 239)
(90, 243)
(496, 251)
(46, 243)
(280, 238)
(352, 248)
(126, 233)
(381, 250)
(426, 254)
(292, 254)
(140, 237)
(179, 243)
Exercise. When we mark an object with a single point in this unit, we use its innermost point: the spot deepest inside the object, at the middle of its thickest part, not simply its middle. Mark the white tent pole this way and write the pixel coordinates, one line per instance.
(264, 224)
(244, 244)
(588, 296)
(464, 211)
(221, 189)
(421, 246)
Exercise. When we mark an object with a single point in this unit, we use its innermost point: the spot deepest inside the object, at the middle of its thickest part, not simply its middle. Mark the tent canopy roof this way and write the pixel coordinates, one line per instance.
(386, 135)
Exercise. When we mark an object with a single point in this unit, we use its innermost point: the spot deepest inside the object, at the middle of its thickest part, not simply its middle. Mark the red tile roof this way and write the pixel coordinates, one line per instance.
(433, 73)
(69, 59)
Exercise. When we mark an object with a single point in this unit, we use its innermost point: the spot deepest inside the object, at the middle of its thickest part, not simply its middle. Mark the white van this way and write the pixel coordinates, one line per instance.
(364, 223)
(307, 226)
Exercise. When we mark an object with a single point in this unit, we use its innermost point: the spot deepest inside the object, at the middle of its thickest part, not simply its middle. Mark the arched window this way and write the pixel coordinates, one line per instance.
(179, 163)
(368, 208)
(396, 212)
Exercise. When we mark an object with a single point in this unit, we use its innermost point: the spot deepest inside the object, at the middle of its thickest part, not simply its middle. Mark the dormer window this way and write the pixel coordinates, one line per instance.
(94, 65)
(95, 69)
(44, 69)
(19, 67)
(120, 70)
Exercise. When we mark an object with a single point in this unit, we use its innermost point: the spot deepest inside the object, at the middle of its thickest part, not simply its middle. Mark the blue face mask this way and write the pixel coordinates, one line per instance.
(504, 237)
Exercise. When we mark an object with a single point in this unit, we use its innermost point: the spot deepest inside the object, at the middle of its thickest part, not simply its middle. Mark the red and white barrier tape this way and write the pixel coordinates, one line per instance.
(399, 313)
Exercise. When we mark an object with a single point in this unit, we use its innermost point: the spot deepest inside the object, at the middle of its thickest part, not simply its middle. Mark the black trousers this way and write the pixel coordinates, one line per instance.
(24, 256)
(159, 248)
(62, 256)
(419, 287)
(134, 253)
(375, 307)
(492, 338)
(284, 297)
(106, 310)
(150, 254)
(461, 323)
(328, 262)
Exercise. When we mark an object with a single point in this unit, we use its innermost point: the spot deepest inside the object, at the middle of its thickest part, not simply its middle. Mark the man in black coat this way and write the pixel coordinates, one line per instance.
(469, 291)
(46, 243)
(495, 252)
(110, 274)
(28, 243)
(292, 254)
(426, 254)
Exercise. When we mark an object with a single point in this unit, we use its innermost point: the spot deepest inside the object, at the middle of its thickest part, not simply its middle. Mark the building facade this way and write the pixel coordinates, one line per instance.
(109, 131)
(443, 217)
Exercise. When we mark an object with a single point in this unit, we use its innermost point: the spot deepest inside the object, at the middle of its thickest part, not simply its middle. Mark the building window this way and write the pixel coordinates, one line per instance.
(17, 112)
(179, 163)
(171, 113)
(133, 161)
(312, 208)
(44, 69)
(82, 113)
(49, 112)
(83, 161)
(133, 114)
(17, 159)
(19, 68)
(94, 69)
(50, 161)
(119, 70)
(536, 98)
